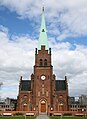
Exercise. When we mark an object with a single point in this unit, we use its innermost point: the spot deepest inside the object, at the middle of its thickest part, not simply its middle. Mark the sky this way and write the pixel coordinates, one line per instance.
(66, 22)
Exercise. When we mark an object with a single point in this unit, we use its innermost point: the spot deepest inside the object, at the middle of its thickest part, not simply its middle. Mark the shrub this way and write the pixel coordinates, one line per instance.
(67, 114)
(18, 114)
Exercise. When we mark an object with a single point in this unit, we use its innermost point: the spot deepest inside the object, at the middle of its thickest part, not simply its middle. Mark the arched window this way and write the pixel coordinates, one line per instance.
(41, 62)
(45, 62)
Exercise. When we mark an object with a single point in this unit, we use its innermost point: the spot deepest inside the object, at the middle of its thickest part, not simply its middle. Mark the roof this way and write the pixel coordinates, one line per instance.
(25, 85)
(60, 85)
(43, 40)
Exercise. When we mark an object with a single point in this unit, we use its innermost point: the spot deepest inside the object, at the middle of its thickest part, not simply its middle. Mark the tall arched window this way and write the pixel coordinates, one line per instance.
(45, 62)
(41, 63)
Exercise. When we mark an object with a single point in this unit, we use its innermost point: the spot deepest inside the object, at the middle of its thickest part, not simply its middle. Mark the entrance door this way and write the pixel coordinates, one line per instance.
(43, 106)
(25, 107)
(61, 107)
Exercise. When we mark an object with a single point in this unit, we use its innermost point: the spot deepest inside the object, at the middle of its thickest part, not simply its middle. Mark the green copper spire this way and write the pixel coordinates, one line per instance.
(43, 35)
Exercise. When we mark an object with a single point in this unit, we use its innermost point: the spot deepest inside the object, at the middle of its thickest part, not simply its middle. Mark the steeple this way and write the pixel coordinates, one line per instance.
(43, 34)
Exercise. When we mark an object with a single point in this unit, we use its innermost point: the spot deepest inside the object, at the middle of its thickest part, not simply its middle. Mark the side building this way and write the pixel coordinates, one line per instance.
(43, 93)
(8, 104)
(79, 105)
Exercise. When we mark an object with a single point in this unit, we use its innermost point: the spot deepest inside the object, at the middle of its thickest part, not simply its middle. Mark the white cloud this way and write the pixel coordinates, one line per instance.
(23, 8)
(79, 81)
(17, 58)
(65, 17)
(73, 64)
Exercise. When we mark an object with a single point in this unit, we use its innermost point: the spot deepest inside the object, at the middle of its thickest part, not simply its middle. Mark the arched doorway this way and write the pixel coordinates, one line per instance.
(25, 107)
(43, 106)
(61, 107)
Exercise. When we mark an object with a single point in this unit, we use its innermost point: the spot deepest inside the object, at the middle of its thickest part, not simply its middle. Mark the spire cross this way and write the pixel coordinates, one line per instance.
(43, 5)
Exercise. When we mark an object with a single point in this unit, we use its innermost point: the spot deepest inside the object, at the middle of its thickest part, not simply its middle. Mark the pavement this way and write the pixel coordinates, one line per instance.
(42, 116)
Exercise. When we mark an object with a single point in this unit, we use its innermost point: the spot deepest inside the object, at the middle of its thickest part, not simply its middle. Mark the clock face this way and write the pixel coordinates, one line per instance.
(43, 77)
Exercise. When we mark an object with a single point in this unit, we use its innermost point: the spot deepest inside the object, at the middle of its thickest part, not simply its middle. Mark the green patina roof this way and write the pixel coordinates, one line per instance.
(43, 40)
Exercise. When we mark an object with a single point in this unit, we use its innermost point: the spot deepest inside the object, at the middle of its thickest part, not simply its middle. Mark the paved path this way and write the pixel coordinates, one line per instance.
(42, 116)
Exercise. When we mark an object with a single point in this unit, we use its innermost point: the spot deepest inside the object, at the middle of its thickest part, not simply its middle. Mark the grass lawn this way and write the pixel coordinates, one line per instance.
(58, 117)
(51, 117)
(16, 117)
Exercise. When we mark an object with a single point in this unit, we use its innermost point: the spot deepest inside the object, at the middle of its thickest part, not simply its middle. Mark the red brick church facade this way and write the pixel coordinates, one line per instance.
(43, 93)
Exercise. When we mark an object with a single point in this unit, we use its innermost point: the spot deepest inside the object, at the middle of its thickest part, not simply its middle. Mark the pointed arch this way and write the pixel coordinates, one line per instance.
(41, 62)
(43, 105)
(45, 62)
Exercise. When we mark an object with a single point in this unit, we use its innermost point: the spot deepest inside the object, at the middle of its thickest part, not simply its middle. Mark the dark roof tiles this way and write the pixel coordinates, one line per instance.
(25, 85)
(60, 85)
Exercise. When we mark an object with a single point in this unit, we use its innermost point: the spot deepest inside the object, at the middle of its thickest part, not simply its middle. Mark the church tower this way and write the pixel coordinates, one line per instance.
(43, 72)
(43, 93)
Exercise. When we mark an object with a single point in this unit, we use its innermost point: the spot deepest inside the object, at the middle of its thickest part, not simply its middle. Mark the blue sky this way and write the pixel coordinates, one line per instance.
(15, 25)
(67, 35)
(18, 26)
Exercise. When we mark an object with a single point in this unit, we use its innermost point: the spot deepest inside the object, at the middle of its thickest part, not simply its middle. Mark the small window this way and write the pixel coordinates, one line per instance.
(42, 91)
(25, 96)
(41, 62)
(42, 85)
(43, 30)
(45, 62)
(47, 93)
(38, 93)
(60, 96)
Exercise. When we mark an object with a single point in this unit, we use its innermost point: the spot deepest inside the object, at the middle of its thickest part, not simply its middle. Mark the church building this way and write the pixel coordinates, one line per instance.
(43, 92)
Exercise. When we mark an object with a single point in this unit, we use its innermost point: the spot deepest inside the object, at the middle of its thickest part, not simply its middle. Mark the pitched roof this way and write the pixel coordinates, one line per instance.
(25, 85)
(60, 85)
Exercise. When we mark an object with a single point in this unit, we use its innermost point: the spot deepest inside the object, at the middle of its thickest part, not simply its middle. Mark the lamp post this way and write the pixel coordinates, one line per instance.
(61, 116)
(25, 115)
(25, 104)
